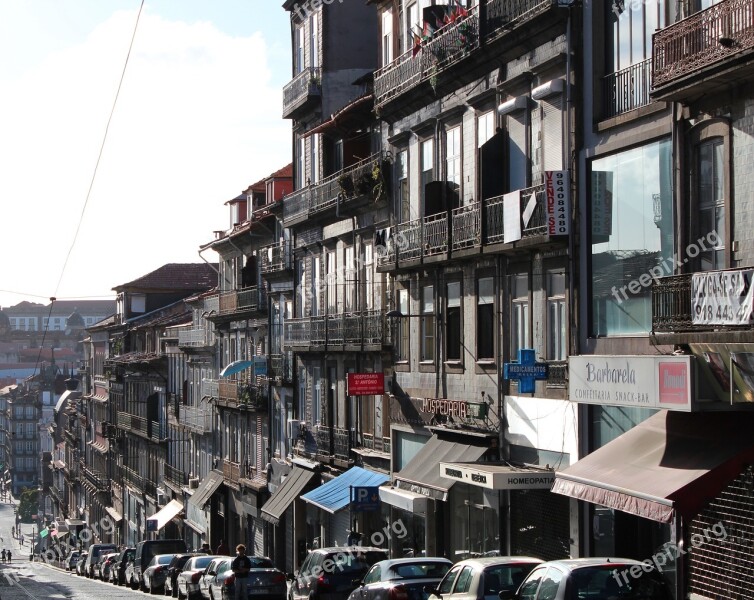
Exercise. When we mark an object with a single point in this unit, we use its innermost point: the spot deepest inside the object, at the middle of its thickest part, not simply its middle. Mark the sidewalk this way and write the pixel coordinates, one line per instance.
(7, 522)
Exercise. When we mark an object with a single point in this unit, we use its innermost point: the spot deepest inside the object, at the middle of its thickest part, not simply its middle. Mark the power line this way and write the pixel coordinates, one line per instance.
(101, 149)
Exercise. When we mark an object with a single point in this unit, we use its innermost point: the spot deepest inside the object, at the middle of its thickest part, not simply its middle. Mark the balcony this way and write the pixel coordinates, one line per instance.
(276, 259)
(678, 309)
(627, 89)
(349, 332)
(705, 52)
(196, 338)
(94, 479)
(197, 419)
(240, 304)
(243, 395)
(231, 471)
(175, 476)
(133, 478)
(281, 367)
(304, 87)
(341, 194)
(139, 426)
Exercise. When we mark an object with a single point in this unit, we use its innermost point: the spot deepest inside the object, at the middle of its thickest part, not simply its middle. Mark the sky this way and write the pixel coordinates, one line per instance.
(197, 120)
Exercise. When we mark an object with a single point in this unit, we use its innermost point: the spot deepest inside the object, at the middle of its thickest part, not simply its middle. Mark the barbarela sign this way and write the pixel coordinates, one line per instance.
(640, 381)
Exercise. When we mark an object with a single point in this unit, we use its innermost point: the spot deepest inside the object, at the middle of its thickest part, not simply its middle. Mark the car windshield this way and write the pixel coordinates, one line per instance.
(419, 570)
(356, 562)
(505, 577)
(202, 561)
(260, 563)
(616, 583)
(163, 559)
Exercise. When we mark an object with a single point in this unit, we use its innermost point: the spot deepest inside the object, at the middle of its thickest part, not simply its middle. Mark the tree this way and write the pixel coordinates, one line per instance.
(28, 505)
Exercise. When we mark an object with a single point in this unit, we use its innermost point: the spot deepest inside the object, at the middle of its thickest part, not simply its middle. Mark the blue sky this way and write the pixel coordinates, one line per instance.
(197, 121)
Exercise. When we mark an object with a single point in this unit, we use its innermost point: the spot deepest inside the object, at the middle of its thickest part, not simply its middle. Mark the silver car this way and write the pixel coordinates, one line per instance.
(484, 578)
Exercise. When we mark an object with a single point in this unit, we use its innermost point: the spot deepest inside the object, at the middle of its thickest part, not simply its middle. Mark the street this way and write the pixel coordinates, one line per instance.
(24, 579)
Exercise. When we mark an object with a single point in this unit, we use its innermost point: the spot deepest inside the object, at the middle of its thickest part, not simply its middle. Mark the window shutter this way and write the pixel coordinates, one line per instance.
(552, 133)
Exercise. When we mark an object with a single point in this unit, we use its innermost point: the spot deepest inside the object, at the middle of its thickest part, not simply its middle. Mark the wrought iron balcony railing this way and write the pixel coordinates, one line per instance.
(197, 418)
(707, 37)
(244, 395)
(506, 15)
(196, 338)
(95, 479)
(209, 388)
(627, 89)
(247, 300)
(466, 226)
(176, 476)
(305, 85)
(276, 258)
(365, 328)
(132, 477)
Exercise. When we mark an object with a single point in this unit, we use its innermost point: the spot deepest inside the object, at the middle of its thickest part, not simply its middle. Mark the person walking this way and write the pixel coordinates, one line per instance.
(2, 555)
(223, 549)
(240, 566)
(8, 555)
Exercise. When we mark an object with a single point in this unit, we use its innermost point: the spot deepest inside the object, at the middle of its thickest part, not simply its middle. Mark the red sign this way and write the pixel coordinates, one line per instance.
(366, 384)
(674, 383)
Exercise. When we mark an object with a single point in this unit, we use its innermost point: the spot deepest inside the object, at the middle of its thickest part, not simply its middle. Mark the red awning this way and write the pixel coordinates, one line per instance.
(673, 461)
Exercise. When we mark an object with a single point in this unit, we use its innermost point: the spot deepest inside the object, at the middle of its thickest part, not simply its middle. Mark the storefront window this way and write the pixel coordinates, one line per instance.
(632, 229)
(474, 515)
(413, 541)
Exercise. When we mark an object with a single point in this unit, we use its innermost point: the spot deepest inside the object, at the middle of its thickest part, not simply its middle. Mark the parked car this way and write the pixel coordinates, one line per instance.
(174, 569)
(264, 582)
(103, 564)
(129, 577)
(118, 568)
(96, 551)
(71, 560)
(401, 578)
(484, 578)
(81, 564)
(156, 572)
(187, 582)
(213, 578)
(344, 566)
(592, 579)
(147, 549)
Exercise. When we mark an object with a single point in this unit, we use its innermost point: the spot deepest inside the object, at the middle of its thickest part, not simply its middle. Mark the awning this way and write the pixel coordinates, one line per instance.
(166, 514)
(335, 495)
(673, 461)
(61, 534)
(236, 367)
(423, 471)
(114, 514)
(288, 491)
(206, 488)
(64, 398)
(499, 476)
(77, 522)
(410, 501)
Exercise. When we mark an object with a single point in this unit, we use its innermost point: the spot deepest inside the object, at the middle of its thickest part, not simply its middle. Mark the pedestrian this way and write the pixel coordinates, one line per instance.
(205, 548)
(22, 539)
(223, 549)
(240, 566)
(8, 555)
(2, 555)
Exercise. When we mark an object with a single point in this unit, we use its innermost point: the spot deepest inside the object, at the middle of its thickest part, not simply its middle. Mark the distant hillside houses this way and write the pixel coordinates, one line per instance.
(65, 314)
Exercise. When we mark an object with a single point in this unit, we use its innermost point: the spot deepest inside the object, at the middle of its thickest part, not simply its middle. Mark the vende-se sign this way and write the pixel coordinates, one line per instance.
(558, 195)
(641, 381)
(722, 297)
(366, 384)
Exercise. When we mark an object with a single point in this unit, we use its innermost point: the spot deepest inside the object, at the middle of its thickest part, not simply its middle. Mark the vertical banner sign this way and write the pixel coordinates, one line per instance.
(558, 195)
(722, 297)
(512, 217)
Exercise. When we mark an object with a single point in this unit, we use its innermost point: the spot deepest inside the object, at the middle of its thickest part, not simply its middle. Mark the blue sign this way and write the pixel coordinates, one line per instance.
(260, 366)
(526, 371)
(152, 525)
(365, 498)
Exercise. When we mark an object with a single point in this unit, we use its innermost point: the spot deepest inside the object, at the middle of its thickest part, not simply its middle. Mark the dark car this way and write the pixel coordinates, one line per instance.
(484, 578)
(118, 568)
(147, 550)
(330, 573)
(404, 578)
(102, 566)
(156, 573)
(71, 560)
(593, 579)
(264, 581)
(174, 569)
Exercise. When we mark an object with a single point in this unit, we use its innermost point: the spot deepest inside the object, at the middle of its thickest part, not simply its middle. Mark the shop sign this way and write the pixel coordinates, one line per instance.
(451, 408)
(365, 498)
(638, 381)
(722, 297)
(260, 366)
(499, 478)
(366, 384)
(558, 197)
(526, 371)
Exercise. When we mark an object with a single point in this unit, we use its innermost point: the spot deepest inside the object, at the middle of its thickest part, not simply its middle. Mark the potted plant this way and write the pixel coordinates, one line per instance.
(345, 182)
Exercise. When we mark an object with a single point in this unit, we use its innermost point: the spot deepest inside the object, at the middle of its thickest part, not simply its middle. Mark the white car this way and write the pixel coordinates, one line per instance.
(212, 581)
(188, 579)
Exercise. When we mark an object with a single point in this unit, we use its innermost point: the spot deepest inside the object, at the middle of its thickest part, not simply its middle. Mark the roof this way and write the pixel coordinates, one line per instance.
(487, 561)
(571, 564)
(175, 277)
(261, 185)
(336, 494)
(63, 308)
(286, 171)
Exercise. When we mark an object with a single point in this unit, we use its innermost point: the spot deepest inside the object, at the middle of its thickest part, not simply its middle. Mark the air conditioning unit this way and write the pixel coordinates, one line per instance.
(295, 428)
(194, 483)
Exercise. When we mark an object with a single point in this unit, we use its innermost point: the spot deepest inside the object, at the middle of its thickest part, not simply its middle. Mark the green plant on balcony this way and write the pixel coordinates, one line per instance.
(379, 189)
(364, 183)
(345, 183)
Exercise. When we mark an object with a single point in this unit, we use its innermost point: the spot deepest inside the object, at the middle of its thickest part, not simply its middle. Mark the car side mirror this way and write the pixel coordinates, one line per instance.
(357, 582)
(211, 573)
(428, 589)
(506, 594)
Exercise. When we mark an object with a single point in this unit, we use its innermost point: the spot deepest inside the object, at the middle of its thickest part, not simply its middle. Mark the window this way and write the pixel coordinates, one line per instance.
(427, 165)
(556, 316)
(374, 575)
(403, 198)
(298, 57)
(403, 327)
(631, 28)
(413, 26)
(349, 270)
(711, 201)
(518, 165)
(485, 128)
(632, 236)
(302, 393)
(529, 590)
(552, 132)
(314, 146)
(450, 578)
(332, 282)
(316, 273)
(485, 319)
(301, 306)
(453, 323)
(519, 314)
(548, 589)
(372, 295)
(427, 353)
(316, 396)
(464, 581)
(313, 42)
(453, 158)
(387, 37)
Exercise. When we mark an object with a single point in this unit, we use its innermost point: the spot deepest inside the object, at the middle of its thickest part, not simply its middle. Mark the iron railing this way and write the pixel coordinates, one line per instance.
(97, 481)
(466, 226)
(307, 83)
(132, 477)
(133, 423)
(176, 476)
(627, 89)
(435, 234)
(196, 338)
(506, 15)
(209, 388)
(671, 303)
(244, 395)
(341, 443)
(707, 37)
(197, 418)
(249, 299)
(361, 328)
(276, 258)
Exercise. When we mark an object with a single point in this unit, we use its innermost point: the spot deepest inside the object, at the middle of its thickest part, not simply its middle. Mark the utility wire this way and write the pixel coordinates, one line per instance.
(102, 148)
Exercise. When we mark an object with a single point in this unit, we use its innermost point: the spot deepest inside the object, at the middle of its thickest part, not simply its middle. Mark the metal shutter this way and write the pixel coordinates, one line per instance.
(540, 524)
(338, 527)
(552, 133)
(289, 542)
